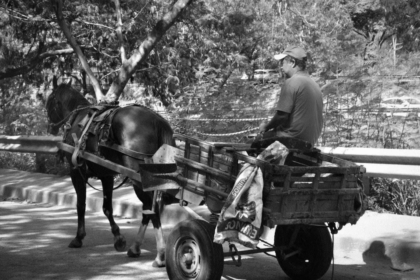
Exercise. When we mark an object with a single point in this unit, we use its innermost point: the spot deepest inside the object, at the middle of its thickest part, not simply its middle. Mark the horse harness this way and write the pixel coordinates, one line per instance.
(97, 123)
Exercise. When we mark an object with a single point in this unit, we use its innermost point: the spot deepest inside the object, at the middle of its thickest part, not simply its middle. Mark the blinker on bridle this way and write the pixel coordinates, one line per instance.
(54, 103)
(55, 108)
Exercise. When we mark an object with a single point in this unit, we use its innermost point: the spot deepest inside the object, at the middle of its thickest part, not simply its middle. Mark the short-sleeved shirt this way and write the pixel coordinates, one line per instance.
(301, 97)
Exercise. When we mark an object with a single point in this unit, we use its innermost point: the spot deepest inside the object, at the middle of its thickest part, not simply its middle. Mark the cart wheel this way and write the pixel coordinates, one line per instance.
(191, 253)
(309, 256)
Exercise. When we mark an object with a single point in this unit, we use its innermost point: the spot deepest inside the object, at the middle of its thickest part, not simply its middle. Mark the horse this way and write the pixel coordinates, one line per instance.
(132, 128)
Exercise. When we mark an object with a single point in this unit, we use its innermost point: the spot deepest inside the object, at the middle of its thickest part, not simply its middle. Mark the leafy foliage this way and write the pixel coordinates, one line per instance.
(395, 196)
(48, 164)
(194, 71)
(22, 110)
(378, 20)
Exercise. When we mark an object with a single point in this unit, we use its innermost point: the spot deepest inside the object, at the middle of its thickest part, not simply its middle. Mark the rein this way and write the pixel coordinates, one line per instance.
(69, 115)
(87, 182)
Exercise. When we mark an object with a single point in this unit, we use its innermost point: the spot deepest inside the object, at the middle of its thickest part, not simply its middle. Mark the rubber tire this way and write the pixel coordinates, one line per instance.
(200, 234)
(317, 251)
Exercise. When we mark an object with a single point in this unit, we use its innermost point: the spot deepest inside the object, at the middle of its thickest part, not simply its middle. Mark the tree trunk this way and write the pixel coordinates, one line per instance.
(130, 65)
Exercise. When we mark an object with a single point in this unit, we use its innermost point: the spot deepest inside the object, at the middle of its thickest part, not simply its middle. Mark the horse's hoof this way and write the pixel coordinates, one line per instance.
(120, 244)
(132, 254)
(75, 243)
(158, 264)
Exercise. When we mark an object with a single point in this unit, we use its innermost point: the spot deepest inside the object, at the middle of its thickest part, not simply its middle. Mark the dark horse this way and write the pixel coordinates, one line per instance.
(132, 128)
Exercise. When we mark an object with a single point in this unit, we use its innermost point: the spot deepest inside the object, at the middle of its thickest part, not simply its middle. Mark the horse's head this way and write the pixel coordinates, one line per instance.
(55, 113)
(61, 103)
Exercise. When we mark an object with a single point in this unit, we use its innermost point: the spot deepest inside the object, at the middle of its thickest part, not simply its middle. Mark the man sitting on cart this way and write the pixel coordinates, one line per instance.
(299, 108)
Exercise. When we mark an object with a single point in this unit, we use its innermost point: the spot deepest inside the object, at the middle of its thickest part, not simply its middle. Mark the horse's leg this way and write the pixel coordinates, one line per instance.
(80, 187)
(160, 240)
(134, 251)
(145, 198)
(119, 239)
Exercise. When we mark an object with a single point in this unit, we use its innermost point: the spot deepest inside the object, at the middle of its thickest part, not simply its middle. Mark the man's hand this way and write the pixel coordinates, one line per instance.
(279, 120)
(263, 127)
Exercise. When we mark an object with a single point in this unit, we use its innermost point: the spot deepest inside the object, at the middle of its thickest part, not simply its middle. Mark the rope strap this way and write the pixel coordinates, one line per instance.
(220, 135)
(87, 182)
(224, 120)
(75, 111)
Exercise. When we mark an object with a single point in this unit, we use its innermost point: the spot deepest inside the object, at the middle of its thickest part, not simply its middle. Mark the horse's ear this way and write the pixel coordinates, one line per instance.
(69, 83)
(55, 82)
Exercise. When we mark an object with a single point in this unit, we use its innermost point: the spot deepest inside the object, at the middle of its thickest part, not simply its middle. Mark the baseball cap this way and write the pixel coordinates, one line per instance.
(295, 52)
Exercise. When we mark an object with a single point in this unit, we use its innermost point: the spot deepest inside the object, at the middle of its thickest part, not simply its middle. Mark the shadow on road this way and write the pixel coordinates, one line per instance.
(34, 240)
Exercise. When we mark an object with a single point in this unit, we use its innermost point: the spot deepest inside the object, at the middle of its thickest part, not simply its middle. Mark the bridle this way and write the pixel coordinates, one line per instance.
(53, 110)
(56, 111)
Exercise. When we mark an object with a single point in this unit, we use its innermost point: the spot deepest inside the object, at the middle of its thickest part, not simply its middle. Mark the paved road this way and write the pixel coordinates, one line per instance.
(34, 239)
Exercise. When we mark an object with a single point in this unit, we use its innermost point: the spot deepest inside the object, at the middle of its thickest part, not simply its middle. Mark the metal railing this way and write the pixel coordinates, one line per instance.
(386, 163)
(30, 144)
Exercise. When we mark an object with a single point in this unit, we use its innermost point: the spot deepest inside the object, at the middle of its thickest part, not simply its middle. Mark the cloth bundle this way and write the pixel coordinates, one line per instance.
(241, 216)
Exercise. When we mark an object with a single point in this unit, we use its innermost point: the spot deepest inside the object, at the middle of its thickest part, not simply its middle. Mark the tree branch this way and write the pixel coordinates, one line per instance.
(94, 24)
(12, 72)
(58, 8)
(360, 33)
(386, 36)
(302, 17)
(130, 65)
(119, 30)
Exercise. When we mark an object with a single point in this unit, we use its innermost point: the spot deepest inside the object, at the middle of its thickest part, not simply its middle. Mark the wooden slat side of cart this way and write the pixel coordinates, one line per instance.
(328, 192)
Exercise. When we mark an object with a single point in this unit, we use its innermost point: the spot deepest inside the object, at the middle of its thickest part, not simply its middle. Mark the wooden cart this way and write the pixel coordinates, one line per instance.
(305, 199)
(305, 209)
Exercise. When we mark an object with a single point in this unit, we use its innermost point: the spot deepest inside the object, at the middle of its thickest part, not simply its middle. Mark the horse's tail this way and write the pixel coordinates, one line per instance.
(165, 133)
(165, 136)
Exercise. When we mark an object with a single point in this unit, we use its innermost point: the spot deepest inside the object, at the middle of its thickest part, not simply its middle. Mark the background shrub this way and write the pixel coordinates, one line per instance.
(395, 196)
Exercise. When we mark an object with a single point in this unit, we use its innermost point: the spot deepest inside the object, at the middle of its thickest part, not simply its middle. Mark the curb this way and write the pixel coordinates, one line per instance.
(58, 190)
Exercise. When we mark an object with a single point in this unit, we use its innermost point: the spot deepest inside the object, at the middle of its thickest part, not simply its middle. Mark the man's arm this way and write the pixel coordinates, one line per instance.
(280, 118)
